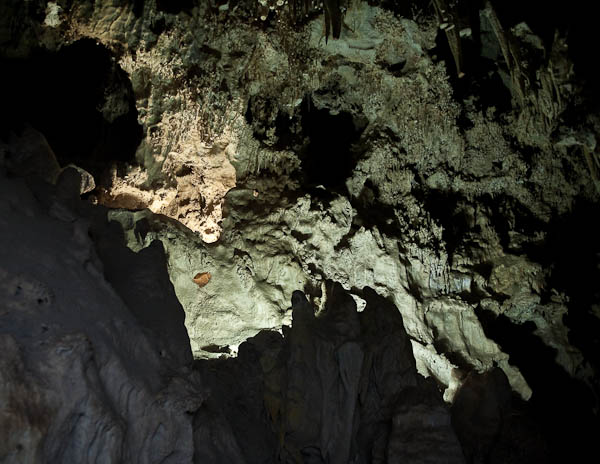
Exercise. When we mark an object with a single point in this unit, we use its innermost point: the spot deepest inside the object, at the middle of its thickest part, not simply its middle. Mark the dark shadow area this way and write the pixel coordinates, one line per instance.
(142, 281)
(344, 375)
(372, 213)
(445, 209)
(138, 8)
(508, 215)
(106, 372)
(481, 79)
(560, 405)
(576, 20)
(582, 33)
(572, 249)
(175, 6)
(272, 126)
(492, 425)
(542, 16)
(78, 98)
(328, 158)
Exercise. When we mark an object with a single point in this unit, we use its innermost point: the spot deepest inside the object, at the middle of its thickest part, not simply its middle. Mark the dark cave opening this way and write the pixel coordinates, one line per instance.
(79, 99)
(328, 158)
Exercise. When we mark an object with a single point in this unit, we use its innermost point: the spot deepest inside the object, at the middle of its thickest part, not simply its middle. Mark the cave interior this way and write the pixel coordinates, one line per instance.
(345, 231)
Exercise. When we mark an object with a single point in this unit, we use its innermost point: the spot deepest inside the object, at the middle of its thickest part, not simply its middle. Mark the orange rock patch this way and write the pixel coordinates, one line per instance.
(202, 278)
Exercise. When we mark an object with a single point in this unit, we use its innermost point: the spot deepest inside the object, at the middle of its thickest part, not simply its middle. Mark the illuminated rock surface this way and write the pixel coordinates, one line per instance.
(203, 139)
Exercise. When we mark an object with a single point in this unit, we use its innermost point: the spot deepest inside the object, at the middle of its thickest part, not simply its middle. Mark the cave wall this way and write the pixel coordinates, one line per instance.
(96, 364)
(277, 158)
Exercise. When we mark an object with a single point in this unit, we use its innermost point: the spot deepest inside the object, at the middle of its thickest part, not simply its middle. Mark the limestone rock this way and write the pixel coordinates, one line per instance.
(340, 386)
(84, 378)
(29, 154)
(486, 421)
(278, 160)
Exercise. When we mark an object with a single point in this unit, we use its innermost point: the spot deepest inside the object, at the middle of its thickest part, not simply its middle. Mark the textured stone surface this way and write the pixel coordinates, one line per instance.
(96, 364)
(85, 376)
(339, 387)
(430, 195)
(364, 160)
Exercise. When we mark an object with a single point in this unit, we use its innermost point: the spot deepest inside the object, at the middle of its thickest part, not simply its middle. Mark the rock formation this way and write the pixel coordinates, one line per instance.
(419, 180)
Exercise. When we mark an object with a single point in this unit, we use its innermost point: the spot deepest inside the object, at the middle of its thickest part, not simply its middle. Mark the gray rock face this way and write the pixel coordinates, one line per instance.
(96, 366)
(355, 161)
(338, 387)
(96, 363)
(87, 374)
(465, 202)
